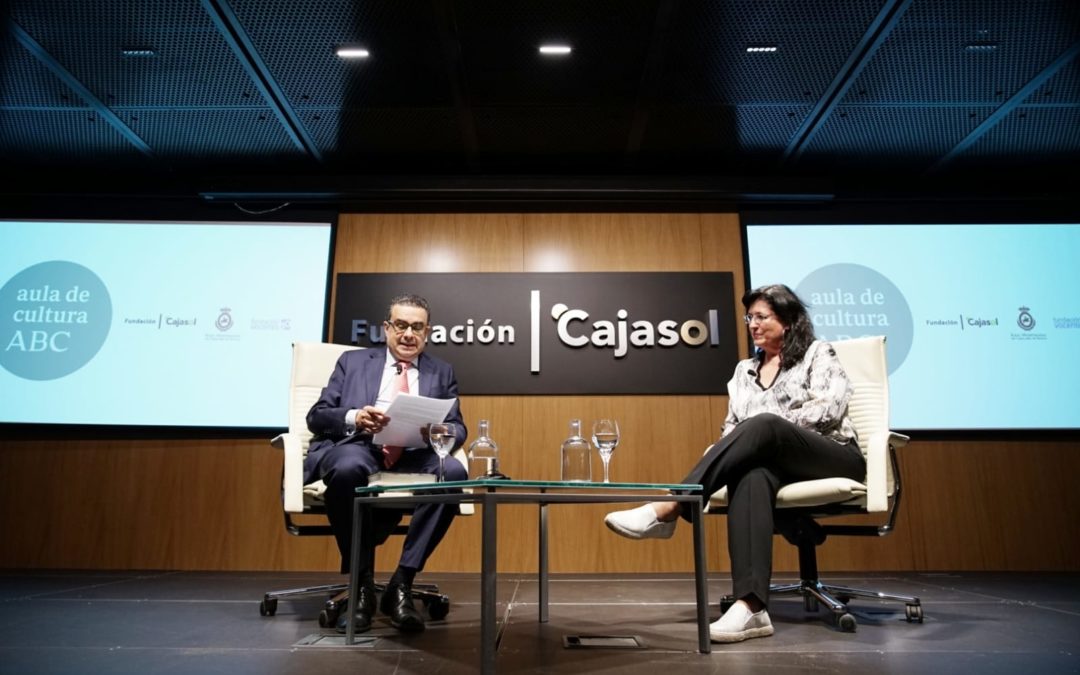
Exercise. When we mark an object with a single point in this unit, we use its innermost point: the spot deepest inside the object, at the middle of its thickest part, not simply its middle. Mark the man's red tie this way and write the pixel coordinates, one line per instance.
(392, 453)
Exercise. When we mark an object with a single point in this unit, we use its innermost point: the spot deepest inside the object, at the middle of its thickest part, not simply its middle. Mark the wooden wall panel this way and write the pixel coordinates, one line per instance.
(214, 504)
(604, 242)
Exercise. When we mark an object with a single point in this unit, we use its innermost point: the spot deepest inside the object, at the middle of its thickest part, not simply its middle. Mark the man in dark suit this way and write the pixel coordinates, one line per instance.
(342, 454)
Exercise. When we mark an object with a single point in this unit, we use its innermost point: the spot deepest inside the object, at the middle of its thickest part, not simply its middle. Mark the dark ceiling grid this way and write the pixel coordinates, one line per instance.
(500, 42)
(1063, 89)
(192, 67)
(234, 34)
(297, 40)
(1008, 106)
(101, 110)
(28, 84)
(455, 74)
(965, 52)
(732, 110)
(566, 114)
(72, 138)
(885, 139)
(225, 138)
(978, 88)
(741, 138)
(377, 140)
(652, 73)
(876, 34)
(1028, 138)
(402, 83)
(580, 139)
(709, 63)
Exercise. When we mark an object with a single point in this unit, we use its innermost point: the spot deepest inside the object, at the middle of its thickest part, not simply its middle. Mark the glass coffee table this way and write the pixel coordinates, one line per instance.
(490, 493)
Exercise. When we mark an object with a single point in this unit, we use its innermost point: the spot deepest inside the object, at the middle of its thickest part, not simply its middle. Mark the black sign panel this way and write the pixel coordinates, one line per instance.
(561, 333)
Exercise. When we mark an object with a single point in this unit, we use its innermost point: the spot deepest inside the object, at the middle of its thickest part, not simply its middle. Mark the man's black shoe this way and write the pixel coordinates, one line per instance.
(397, 603)
(365, 611)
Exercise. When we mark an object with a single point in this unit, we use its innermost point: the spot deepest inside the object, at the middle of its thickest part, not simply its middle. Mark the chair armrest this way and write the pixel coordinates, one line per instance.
(877, 473)
(293, 480)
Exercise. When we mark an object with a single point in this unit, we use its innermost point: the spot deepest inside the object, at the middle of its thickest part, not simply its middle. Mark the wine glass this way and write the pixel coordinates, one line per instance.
(605, 436)
(442, 436)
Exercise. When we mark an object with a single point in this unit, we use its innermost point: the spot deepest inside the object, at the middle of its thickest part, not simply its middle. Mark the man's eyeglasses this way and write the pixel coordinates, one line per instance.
(400, 327)
(757, 318)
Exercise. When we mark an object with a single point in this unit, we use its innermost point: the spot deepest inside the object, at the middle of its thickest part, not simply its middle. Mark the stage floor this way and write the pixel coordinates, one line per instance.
(201, 622)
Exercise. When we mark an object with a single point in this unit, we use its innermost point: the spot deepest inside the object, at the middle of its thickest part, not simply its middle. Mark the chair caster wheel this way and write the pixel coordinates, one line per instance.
(847, 623)
(267, 607)
(328, 618)
(438, 607)
(914, 613)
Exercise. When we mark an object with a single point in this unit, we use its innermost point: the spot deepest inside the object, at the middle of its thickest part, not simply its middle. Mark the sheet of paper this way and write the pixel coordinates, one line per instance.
(408, 414)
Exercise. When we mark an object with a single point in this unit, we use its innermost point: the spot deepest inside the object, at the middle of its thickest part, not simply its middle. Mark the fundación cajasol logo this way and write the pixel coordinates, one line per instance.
(54, 317)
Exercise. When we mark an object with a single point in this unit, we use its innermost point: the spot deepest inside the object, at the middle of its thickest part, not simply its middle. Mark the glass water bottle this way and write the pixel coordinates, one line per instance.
(483, 455)
(576, 456)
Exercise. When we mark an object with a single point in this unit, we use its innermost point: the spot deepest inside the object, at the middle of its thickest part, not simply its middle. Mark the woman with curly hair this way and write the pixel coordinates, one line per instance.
(787, 421)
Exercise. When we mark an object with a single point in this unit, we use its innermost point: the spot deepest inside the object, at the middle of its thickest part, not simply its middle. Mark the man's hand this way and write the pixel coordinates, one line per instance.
(371, 420)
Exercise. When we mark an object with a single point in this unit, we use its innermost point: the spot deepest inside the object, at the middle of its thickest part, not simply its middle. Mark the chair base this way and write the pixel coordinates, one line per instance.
(436, 604)
(836, 598)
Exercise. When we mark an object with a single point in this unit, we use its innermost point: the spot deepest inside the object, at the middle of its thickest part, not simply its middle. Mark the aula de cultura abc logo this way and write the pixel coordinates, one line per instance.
(54, 317)
(849, 301)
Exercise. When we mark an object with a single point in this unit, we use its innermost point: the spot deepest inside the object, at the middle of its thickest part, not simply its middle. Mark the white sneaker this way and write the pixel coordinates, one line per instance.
(739, 623)
(639, 523)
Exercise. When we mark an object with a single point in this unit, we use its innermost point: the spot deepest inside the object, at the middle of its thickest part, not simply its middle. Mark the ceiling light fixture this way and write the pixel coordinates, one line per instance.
(555, 50)
(138, 51)
(981, 47)
(756, 49)
(352, 52)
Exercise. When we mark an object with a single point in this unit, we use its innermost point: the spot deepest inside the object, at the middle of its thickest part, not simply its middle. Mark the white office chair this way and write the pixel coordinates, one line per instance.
(312, 365)
(800, 504)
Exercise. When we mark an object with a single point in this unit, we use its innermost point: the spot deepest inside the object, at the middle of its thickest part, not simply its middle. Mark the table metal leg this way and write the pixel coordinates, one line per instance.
(543, 564)
(704, 644)
(488, 584)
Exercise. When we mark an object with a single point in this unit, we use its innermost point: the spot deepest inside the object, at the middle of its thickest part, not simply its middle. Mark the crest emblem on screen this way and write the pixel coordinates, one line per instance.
(1025, 320)
(224, 321)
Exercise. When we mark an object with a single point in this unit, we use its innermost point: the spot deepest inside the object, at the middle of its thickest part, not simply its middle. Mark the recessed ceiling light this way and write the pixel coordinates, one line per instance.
(555, 50)
(981, 47)
(756, 49)
(138, 51)
(352, 52)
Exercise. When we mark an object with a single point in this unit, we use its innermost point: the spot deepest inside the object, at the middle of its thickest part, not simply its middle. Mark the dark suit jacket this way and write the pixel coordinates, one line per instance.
(355, 384)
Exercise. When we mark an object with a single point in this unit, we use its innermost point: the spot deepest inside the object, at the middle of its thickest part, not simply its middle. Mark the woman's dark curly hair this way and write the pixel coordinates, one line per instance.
(791, 311)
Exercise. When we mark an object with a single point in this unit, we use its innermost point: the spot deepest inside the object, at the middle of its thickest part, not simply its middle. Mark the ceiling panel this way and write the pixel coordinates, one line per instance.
(61, 138)
(843, 91)
(966, 51)
(500, 44)
(297, 41)
(1029, 136)
(408, 132)
(192, 65)
(709, 62)
(907, 138)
